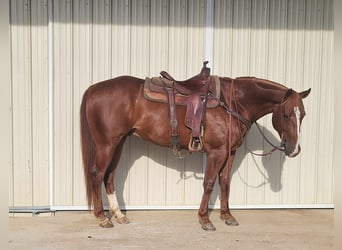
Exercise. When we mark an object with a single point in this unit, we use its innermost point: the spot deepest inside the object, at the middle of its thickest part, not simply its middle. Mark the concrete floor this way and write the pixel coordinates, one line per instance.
(259, 229)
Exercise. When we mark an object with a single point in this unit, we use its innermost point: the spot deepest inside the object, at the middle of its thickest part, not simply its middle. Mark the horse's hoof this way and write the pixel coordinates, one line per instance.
(123, 220)
(106, 223)
(206, 223)
(208, 226)
(229, 221)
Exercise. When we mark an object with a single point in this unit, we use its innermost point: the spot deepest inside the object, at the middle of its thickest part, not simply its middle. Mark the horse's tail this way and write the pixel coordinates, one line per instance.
(88, 150)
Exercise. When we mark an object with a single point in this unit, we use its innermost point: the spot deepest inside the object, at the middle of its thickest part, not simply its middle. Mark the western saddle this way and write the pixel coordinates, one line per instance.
(192, 93)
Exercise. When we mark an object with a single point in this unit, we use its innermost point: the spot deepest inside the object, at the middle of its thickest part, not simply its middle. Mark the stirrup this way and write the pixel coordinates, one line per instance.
(195, 144)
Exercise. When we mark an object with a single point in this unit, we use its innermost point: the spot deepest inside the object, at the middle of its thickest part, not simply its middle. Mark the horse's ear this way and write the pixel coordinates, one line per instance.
(287, 94)
(305, 93)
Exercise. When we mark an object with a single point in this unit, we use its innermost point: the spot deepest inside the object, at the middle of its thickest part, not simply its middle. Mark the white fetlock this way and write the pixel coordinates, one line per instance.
(114, 209)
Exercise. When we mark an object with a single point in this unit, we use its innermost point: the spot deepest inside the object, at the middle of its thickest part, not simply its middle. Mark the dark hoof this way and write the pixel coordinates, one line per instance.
(123, 220)
(106, 223)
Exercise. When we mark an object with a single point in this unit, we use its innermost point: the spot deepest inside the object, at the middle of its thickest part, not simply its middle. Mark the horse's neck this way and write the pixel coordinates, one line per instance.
(258, 97)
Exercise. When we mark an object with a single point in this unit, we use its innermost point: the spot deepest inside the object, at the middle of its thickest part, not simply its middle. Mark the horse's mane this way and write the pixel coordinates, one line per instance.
(260, 82)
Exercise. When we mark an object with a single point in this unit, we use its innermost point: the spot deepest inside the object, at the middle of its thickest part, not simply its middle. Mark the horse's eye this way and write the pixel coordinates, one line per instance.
(286, 117)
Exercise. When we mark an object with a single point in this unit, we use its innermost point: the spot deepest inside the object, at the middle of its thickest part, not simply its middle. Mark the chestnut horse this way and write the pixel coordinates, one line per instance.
(114, 109)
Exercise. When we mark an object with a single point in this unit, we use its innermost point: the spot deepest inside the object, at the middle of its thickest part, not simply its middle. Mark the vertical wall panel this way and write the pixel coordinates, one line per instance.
(82, 78)
(312, 72)
(29, 176)
(63, 96)
(40, 109)
(120, 37)
(259, 38)
(101, 32)
(178, 40)
(241, 37)
(223, 33)
(140, 38)
(325, 180)
(196, 36)
(159, 37)
(21, 104)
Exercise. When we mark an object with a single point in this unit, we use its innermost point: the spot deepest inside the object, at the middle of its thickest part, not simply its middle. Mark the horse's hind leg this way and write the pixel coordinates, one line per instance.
(103, 159)
(113, 202)
(110, 189)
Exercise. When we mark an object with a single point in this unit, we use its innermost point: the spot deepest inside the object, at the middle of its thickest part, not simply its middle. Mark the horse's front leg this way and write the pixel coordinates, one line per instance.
(224, 180)
(215, 161)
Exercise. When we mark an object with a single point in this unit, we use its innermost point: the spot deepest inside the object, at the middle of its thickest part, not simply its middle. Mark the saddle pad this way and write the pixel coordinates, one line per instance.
(157, 93)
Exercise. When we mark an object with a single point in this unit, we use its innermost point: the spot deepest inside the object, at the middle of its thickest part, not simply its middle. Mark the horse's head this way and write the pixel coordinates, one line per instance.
(287, 118)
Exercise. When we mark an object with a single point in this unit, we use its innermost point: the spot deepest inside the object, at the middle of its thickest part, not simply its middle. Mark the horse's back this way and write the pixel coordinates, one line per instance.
(116, 91)
(118, 84)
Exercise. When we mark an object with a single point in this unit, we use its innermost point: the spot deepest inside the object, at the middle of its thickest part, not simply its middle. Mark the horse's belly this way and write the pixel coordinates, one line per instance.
(155, 127)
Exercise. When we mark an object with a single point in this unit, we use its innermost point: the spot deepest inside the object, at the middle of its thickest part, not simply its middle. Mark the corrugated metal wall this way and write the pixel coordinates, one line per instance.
(86, 41)
(29, 58)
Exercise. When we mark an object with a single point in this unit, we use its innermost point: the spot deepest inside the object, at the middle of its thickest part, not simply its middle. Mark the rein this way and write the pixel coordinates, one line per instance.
(268, 141)
(248, 124)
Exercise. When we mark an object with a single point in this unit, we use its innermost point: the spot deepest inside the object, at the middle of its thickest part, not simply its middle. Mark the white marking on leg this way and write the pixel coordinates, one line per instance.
(297, 113)
(114, 205)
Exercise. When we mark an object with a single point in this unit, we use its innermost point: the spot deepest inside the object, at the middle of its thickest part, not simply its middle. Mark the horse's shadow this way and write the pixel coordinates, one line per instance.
(269, 167)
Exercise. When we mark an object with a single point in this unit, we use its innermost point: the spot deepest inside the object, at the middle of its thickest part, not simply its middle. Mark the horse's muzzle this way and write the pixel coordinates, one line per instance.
(293, 152)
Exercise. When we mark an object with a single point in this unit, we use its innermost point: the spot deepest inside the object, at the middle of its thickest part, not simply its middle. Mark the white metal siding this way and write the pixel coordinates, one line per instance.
(29, 173)
(286, 41)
